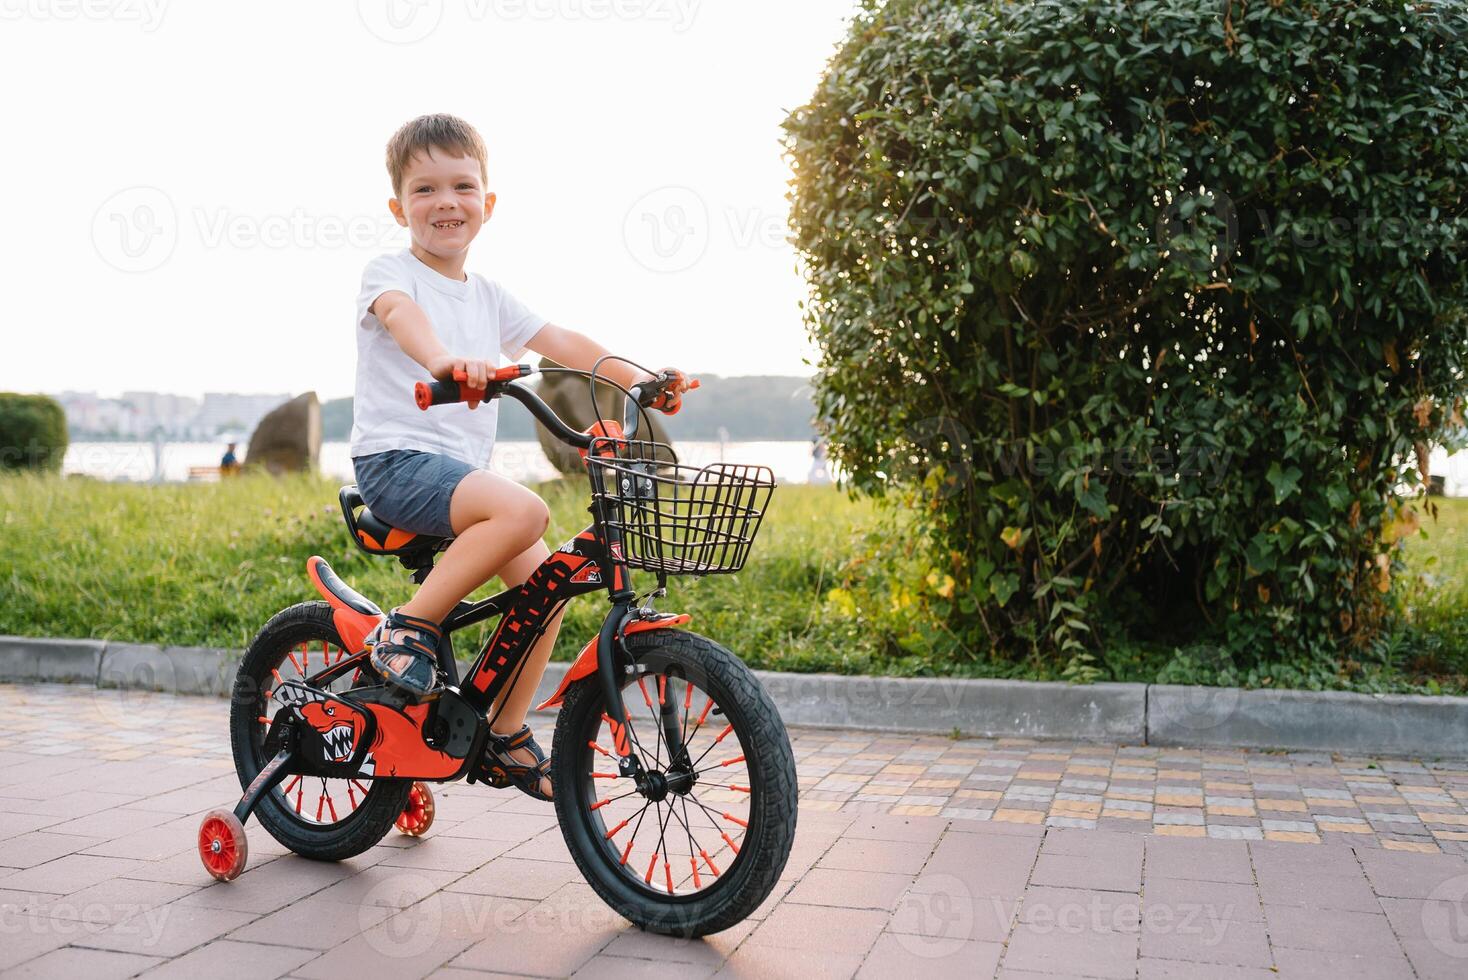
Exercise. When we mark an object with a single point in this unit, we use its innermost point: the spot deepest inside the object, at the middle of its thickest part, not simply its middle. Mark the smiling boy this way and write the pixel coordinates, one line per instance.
(419, 314)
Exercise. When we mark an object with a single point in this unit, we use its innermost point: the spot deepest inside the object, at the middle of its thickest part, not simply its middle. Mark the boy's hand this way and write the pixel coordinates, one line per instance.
(671, 400)
(476, 372)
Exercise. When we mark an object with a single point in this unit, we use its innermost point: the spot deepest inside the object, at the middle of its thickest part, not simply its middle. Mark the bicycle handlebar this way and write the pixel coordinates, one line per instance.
(430, 393)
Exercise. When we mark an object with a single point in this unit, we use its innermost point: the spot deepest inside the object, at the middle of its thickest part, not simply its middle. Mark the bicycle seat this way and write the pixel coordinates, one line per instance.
(377, 537)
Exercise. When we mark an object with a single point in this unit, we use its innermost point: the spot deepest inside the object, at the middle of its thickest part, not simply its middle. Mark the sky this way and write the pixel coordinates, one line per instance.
(193, 188)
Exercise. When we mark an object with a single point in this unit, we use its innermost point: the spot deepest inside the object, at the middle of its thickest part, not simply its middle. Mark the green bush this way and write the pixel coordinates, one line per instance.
(1143, 309)
(32, 432)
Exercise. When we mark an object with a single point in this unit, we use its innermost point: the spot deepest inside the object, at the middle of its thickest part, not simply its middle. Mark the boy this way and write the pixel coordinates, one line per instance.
(424, 471)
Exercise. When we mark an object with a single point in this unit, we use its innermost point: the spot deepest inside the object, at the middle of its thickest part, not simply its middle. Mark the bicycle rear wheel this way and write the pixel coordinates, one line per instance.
(702, 842)
(324, 819)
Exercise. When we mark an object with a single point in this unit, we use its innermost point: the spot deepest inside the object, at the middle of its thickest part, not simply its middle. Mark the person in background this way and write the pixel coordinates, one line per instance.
(230, 464)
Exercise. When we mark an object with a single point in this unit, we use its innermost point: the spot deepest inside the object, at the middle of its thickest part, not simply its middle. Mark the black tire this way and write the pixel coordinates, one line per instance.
(691, 663)
(368, 821)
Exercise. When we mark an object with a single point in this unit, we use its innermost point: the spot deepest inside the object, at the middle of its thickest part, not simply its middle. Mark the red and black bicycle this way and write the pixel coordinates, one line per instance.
(674, 779)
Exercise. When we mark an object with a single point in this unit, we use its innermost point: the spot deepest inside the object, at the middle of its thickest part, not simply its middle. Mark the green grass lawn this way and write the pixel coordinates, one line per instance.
(208, 564)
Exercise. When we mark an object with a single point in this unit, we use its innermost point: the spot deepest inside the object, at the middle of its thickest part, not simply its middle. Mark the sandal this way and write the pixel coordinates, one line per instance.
(525, 778)
(409, 662)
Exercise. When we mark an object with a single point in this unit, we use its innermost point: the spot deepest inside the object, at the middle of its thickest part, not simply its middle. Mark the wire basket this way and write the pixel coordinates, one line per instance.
(678, 519)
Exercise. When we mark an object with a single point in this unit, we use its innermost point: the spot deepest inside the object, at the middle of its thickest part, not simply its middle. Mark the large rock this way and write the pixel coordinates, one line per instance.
(289, 438)
(570, 396)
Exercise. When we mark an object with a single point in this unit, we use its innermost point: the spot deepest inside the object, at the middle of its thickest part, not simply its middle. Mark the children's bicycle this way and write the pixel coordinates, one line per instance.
(673, 777)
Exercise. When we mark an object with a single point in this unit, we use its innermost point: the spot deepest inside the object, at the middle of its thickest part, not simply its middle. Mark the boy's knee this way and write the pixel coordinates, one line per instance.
(535, 519)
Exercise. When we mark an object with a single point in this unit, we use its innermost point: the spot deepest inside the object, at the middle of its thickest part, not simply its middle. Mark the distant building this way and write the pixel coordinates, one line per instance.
(139, 414)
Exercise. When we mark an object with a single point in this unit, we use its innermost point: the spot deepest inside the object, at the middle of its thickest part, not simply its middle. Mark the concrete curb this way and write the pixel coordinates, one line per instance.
(1154, 714)
(1339, 721)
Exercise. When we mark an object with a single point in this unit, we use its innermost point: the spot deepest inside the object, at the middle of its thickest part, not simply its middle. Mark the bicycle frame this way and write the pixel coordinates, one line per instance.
(588, 562)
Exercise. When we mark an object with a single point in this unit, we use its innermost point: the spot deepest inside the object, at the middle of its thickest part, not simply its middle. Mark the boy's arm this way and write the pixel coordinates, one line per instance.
(409, 326)
(576, 350)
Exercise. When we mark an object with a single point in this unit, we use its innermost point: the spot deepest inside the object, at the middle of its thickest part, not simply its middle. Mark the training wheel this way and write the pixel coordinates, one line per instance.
(222, 845)
(417, 816)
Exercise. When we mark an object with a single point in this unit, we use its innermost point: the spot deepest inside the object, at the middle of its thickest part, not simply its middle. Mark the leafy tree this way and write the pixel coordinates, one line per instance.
(1148, 308)
(32, 432)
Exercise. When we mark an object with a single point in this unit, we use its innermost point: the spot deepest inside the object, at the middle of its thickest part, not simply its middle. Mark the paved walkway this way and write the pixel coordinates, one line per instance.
(969, 858)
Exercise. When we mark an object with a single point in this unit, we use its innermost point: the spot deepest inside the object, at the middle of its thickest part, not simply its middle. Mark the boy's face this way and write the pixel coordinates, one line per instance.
(442, 202)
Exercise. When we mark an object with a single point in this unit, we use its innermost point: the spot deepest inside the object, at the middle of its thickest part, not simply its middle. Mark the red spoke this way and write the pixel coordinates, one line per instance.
(278, 679)
(263, 720)
(361, 787)
(601, 803)
(627, 851)
(731, 817)
(331, 806)
(720, 737)
(709, 861)
(645, 696)
(687, 703)
(651, 866)
(605, 775)
(732, 846)
(693, 863)
(299, 669)
(662, 689)
(600, 749)
(351, 797)
(290, 786)
(320, 804)
(299, 791)
(737, 788)
(730, 762)
(667, 871)
(613, 832)
(705, 713)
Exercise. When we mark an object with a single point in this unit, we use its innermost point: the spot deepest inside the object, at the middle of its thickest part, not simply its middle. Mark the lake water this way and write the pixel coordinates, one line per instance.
(523, 462)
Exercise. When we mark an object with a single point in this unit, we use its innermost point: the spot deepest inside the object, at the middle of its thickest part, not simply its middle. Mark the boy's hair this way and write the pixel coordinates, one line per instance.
(439, 131)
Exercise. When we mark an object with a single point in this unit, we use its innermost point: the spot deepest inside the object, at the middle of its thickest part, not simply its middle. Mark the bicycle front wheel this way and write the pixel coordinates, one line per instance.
(701, 842)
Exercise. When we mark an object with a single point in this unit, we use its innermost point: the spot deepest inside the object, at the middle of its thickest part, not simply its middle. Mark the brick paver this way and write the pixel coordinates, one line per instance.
(964, 858)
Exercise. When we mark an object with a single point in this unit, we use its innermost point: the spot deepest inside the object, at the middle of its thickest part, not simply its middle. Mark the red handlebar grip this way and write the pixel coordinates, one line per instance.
(427, 394)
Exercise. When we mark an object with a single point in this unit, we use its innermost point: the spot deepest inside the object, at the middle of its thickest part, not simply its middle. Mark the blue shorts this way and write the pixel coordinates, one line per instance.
(411, 489)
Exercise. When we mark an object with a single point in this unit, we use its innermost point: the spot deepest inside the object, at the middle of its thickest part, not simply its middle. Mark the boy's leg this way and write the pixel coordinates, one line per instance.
(494, 520)
(509, 712)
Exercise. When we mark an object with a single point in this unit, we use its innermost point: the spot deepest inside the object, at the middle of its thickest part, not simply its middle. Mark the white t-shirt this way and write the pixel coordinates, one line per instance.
(473, 319)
